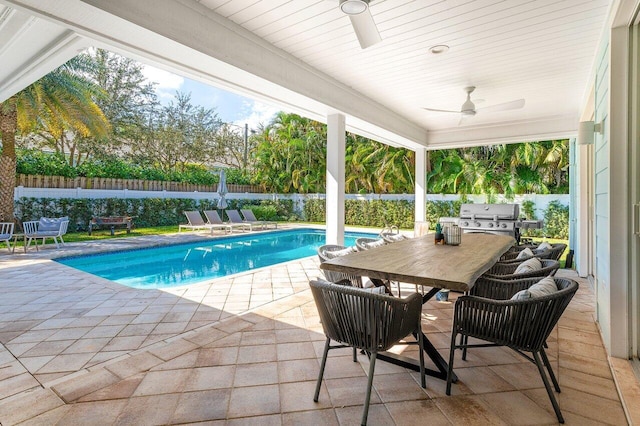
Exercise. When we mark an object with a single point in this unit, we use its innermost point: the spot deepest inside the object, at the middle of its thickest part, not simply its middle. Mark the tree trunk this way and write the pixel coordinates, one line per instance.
(8, 126)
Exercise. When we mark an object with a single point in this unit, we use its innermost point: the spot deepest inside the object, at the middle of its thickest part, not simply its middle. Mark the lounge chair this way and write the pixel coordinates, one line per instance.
(213, 219)
(195, 221)
(46, 228)
(234, 217)
(6, 233)
(249, 217)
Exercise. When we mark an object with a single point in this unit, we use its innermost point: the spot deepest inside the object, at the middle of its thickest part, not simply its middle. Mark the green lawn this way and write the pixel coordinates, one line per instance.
(105, 234)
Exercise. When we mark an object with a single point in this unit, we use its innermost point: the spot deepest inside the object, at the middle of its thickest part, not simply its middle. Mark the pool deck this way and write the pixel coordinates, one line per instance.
(245, 349)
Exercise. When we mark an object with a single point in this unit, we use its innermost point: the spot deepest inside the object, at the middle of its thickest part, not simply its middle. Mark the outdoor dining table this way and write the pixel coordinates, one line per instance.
(420, 261)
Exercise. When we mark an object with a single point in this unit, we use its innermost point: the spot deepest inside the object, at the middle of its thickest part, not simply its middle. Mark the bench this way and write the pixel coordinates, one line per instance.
(111, 222)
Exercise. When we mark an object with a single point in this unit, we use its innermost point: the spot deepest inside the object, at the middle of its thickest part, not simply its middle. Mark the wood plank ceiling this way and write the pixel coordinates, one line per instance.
(539, 50)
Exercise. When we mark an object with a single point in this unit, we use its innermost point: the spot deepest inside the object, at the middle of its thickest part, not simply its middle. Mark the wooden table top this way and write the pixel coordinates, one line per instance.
(420, 261)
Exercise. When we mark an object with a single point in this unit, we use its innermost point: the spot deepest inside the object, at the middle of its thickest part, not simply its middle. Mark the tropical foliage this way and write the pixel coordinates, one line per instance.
(524, 168)
(63, 100)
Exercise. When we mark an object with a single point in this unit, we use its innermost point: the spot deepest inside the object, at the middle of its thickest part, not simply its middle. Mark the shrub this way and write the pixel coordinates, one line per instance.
(556, 220)
(438, 209)
(147, 211)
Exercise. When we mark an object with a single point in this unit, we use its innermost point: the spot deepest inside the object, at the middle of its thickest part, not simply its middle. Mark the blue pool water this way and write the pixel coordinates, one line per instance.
(182, 264)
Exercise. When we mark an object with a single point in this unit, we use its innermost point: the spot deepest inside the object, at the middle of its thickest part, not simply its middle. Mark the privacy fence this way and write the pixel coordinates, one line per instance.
(164, 207)
(61, 182)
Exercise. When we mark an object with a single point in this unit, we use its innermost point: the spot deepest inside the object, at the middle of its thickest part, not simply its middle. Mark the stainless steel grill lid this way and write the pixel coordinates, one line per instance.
(490, 211)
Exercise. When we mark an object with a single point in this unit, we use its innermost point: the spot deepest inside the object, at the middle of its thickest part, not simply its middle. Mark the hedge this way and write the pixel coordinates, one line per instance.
(169, 211)
(148, 212)
(379, 213)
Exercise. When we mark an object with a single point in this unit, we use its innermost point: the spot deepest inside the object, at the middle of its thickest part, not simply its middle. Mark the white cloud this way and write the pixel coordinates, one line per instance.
(166, 83)
(256, 113)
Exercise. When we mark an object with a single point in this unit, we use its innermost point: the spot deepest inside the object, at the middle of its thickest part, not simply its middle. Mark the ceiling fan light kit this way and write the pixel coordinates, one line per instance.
(362, 21)
(353, 7)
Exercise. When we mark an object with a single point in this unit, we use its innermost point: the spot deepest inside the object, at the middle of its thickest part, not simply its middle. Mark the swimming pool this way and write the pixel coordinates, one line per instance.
(181, 264)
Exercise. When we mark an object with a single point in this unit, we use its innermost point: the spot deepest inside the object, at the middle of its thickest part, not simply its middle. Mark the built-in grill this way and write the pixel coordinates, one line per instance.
(495, 219)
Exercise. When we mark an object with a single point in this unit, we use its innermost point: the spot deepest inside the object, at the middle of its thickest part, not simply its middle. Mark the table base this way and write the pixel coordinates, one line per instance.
(433, 354)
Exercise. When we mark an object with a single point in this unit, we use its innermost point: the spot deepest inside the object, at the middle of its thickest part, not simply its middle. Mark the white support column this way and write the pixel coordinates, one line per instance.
(421, 226)
(335, 179)
(421, 185)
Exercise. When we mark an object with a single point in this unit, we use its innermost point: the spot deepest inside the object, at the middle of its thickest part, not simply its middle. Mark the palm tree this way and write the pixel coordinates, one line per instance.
(63, 99)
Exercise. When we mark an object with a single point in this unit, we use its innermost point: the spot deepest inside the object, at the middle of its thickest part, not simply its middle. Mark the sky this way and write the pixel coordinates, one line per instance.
(230, 107)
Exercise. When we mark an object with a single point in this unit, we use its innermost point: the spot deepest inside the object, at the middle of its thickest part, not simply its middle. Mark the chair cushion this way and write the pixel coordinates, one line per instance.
(525, 253)
(544, 287)
(374, 244)
(530, 265)
(374, 290)
(347, 283)
(396, 237)
(5, 237)
(47, 224)
(544, 246)
(337, 253)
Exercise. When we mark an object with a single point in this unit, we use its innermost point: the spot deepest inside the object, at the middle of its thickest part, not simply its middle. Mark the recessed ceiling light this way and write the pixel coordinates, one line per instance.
(438, 49)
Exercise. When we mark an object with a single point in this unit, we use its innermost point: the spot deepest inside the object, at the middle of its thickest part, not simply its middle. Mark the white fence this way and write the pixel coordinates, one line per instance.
(540, 201)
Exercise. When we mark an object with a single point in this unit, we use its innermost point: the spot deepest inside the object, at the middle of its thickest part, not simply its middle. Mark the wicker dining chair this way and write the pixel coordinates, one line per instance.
(512, 256)
(325, 253)
(506, 271)
(364, 243)
(367, 321)
(557, 249)
(393, 238)
(488, 314)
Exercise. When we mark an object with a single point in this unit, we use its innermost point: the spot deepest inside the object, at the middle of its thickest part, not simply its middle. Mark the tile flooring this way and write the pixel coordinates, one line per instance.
(77, 349)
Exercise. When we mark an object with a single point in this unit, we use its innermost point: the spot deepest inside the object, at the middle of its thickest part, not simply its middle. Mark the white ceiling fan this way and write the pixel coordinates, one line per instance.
(468, 108)
(362, 21)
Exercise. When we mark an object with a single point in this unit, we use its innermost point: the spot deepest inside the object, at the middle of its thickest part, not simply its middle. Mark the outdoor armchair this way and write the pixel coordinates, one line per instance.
(512, 256)
(522, 325)
(556, 250)
(6, 233)
(364, 243)
(331, 251)
(249, 217)
(390, 237)
(370, 322)
(507, 271)
(46, 228)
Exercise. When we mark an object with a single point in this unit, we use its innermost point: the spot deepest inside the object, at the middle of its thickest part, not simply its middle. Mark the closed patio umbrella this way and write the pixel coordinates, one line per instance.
(222, 191)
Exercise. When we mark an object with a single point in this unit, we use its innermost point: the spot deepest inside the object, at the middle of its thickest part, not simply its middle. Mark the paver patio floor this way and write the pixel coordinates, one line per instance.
(77, 349)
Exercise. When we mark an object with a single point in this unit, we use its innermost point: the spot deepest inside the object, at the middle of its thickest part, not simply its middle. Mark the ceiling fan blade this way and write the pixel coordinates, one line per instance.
(441, 110)
(365, 29)
(517, 104)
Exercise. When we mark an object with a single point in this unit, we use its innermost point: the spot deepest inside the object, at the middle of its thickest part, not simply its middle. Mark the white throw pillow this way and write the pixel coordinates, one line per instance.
(530, 265)
(374, 244)
(337, 253)
(374, 290)
(545, 246)
(544, 287)
(395, 237)
(525, 253)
